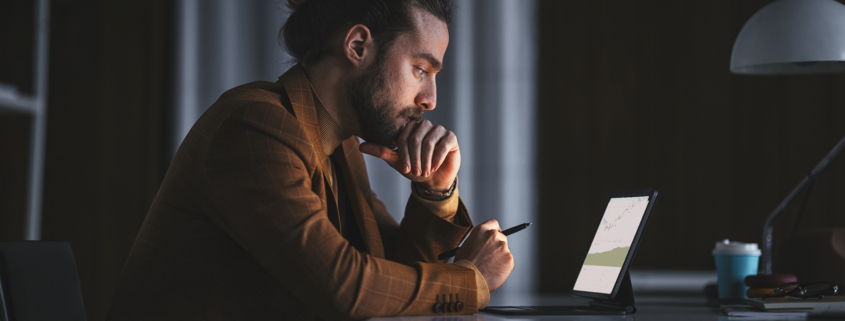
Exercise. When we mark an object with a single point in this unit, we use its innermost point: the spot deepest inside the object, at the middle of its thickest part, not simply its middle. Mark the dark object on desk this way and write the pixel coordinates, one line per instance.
(763, 284)
(452, 252)
(813, 255)
(38, 281)
(812, 290)
(621, 304)
(754, 292)
(769, 280)
(611, 248)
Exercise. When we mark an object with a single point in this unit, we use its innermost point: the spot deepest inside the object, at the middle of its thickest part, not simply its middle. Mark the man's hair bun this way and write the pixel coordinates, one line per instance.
(295, 4)
(311, 22)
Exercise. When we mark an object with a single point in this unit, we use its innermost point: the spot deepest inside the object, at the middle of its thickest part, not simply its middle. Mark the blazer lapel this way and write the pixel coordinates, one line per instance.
(298, 88)
(360, 208)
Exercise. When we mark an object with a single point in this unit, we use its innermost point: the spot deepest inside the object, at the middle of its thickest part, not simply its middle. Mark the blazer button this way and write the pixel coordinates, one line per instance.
(459, 306)
(438, 307)
(455, 303)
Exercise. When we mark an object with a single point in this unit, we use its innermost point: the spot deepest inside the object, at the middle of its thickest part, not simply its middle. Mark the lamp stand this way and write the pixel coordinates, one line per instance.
(766, 259)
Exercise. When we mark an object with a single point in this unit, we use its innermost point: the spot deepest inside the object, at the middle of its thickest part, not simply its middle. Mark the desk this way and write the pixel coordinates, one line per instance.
(649, 307)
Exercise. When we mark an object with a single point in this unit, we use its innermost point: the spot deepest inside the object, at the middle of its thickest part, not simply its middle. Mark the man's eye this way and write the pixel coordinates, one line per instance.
(419, 71)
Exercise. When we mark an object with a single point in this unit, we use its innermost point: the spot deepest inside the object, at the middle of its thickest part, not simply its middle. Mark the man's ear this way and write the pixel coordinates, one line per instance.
(358, 44)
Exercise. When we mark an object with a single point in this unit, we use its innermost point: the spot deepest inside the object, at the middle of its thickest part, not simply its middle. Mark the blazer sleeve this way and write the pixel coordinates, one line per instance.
(257, 187)
(428, 227)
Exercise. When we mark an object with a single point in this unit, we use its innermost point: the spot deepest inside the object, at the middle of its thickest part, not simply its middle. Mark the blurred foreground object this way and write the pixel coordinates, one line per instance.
(39, 281)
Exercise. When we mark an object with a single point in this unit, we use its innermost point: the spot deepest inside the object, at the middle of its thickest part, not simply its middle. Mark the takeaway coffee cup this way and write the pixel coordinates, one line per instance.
(734, 261)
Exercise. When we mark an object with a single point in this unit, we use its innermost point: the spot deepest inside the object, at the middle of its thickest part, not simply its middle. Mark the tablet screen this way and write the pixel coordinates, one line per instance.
(611, 244)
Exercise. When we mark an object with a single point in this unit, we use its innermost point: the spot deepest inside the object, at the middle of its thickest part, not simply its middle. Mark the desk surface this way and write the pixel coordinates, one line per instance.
(649, 307)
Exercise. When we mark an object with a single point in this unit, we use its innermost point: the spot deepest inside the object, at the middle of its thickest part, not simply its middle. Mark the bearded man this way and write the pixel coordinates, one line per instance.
(266, 212)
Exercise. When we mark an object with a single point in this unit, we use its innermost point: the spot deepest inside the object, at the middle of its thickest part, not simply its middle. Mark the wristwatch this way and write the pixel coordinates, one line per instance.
(432, 195)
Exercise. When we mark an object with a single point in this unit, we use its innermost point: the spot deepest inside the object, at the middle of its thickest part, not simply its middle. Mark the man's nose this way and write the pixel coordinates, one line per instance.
(427, 98)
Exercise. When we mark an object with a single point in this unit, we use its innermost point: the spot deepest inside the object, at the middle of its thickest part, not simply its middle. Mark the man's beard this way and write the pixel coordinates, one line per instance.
(370, 97)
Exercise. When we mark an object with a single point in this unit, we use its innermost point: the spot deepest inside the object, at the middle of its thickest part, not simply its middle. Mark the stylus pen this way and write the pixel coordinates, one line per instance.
(451, 253)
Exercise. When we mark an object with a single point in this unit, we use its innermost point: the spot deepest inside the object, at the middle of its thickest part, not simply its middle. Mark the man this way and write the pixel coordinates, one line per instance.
(266, 212)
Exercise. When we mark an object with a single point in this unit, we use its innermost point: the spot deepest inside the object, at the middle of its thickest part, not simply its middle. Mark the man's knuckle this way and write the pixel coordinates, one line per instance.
(414, 142)
(407, 131)
(420, 136)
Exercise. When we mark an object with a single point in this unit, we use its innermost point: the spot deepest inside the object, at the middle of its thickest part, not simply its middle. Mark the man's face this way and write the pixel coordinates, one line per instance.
(399, 84)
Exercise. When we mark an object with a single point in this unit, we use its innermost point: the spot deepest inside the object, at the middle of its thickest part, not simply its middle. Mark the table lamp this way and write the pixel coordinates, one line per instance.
(788, 37)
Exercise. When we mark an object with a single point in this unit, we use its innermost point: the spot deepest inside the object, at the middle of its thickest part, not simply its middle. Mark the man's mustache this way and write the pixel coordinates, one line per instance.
(414, 113)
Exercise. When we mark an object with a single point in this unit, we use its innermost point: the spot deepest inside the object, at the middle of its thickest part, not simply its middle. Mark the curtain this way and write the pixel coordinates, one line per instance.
(221, 44)
(487, 96)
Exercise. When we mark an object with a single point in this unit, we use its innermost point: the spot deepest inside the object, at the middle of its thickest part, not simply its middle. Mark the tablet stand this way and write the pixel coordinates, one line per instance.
(624, 299)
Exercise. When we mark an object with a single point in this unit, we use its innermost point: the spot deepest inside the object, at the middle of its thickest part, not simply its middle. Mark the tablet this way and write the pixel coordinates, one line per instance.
(604, 274)
(614, 243)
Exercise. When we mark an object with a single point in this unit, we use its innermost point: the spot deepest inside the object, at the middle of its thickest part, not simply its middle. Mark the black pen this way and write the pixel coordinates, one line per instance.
(451, 253)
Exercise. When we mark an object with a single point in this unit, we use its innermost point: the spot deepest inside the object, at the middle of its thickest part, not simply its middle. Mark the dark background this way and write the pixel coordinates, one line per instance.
(105, 155)
(636, 94)
(632, 94)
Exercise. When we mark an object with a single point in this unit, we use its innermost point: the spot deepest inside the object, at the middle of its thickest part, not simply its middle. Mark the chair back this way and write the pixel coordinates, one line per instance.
(38, 281)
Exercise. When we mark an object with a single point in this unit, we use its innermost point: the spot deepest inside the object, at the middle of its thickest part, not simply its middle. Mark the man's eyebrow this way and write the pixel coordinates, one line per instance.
(431, 60)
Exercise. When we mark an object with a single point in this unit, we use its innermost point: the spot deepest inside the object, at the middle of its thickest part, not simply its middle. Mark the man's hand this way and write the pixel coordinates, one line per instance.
(487, 249)
(426, 154)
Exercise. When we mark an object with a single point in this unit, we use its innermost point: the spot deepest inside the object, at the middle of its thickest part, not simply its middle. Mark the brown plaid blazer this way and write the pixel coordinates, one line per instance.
(241, 228)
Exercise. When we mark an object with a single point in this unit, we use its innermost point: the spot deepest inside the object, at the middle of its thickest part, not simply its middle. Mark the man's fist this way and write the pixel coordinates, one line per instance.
(487, 249)
(425, 153)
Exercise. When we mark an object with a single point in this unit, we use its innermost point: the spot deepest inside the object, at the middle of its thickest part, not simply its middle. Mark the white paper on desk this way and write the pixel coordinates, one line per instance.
(745, 312)
(829, 311)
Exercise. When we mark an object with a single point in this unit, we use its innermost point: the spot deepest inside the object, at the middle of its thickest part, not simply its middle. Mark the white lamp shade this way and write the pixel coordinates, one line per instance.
(792, 37)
